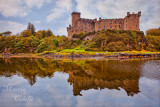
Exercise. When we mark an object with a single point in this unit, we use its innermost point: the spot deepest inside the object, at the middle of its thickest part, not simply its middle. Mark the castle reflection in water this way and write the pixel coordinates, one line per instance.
(83, 74)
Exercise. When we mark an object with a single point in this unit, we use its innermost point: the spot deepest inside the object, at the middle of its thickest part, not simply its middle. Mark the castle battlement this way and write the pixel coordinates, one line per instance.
(75, 13)
(130, 22)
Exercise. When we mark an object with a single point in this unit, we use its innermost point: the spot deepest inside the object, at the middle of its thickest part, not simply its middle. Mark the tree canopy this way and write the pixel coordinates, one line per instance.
(107, 40)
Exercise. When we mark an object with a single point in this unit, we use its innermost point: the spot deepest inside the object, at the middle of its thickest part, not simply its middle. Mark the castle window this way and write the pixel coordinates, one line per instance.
(115, 21)
(104, 26)
(110, 26)
(119, 26)
(119, 22)
(115, 26)
(110, 21)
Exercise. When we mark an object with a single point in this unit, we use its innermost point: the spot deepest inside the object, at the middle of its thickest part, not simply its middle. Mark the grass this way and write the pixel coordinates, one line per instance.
(73, 50)
(140, 52)
(81, 51)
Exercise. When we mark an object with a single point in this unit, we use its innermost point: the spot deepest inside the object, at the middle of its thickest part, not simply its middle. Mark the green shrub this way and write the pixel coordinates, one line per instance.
(41, 47)
(56, 42)
(155, 32)
(154, 42)
(115, 47)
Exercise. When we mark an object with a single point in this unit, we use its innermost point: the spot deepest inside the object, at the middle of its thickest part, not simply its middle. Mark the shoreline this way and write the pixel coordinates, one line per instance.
(83, 56)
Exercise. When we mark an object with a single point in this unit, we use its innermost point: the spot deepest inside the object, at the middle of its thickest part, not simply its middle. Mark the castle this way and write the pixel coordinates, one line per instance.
(130, 22)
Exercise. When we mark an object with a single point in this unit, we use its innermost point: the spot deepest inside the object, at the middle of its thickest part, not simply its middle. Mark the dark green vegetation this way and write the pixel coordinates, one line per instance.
(6, 33)
(153, 37)
(116, 40)
(30, 41)
(121, 40)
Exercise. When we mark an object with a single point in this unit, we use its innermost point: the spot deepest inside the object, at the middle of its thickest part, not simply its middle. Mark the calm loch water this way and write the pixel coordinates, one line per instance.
(49, 82)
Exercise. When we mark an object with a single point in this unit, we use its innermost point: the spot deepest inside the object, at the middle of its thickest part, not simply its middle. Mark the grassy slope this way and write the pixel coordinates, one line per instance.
(82, 51)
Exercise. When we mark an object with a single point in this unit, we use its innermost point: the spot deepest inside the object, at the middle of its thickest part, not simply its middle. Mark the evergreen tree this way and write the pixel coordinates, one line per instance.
(31, 28)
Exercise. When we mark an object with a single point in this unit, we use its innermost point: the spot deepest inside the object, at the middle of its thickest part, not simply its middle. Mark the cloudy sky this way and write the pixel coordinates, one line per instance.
(56, 14)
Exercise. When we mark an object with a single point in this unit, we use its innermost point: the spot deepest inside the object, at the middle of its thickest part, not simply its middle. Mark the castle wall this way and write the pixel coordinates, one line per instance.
(104, 24)
(130, 22)
(86, 25)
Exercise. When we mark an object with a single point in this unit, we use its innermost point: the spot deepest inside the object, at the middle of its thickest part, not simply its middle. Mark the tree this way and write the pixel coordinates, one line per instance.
(43, 33)
(154, 42)
(7, 33)
(155, 32)
(26, 33)
(56, 42)
(39, 34)
(49, 32)
(31, 28)
(41, 47)
(35, 42)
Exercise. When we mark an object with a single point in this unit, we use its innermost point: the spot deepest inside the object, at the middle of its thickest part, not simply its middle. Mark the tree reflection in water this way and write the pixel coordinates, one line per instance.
(83, 74)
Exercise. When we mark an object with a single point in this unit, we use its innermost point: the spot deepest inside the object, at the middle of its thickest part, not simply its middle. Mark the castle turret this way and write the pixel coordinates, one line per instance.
(131, 21)
(128, 13)
(139, 13)
(75, 17)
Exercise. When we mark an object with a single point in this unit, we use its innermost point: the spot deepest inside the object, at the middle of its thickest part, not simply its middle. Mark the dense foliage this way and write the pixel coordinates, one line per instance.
(43, 40)
(116, 40)
(107, 40)
(153, 37)
(155, 32)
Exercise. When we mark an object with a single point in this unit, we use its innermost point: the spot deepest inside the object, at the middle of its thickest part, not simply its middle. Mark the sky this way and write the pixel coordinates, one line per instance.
(56, 14)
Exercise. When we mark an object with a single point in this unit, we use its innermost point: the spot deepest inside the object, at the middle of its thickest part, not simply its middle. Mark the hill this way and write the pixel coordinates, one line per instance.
(100, 41)
(112, 41)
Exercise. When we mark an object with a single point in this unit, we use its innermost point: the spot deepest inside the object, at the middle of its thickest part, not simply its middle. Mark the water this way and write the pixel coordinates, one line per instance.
(49, 82)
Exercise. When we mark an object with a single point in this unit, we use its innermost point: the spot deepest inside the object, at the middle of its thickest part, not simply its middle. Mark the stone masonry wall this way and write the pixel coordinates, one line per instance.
(130, 22)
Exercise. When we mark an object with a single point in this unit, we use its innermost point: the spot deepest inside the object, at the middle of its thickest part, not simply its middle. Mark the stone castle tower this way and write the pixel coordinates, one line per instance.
(130, 22)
